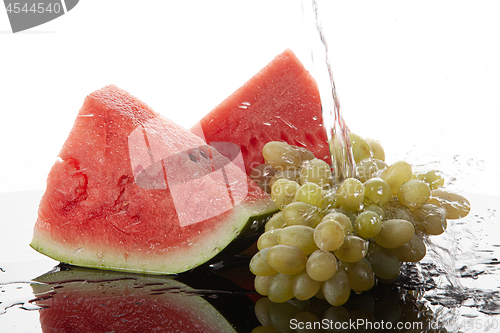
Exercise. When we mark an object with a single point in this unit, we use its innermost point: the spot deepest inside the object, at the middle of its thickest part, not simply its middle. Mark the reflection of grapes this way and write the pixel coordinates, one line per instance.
(330, 239)
(382, 305)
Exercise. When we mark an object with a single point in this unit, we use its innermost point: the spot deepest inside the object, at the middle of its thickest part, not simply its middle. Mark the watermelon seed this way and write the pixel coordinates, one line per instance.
(203, 154)
(192, 158)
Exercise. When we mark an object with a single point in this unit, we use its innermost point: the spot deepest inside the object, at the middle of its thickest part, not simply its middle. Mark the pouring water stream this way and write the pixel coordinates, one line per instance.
(336, 128)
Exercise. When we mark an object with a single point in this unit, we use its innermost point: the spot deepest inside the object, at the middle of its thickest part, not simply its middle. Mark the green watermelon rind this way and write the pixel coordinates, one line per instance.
(238, 233)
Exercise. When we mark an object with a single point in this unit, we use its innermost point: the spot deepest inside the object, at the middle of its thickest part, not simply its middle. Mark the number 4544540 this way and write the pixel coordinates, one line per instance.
(477, 323)
(35, 8)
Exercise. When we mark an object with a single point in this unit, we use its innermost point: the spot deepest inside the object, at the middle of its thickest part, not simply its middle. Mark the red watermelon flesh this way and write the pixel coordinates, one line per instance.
(133, 191)
(280, 103)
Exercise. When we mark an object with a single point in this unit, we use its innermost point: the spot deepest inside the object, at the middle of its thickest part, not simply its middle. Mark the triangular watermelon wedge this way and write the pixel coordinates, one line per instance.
(132, 191)
(280, 103)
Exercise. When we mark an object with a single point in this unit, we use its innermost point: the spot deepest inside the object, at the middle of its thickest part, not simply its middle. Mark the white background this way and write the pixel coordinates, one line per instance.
(422, 77)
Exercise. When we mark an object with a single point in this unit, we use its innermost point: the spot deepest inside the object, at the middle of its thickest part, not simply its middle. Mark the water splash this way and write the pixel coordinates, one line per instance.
(337, 130)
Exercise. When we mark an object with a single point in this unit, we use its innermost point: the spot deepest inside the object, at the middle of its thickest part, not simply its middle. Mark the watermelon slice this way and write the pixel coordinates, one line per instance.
(280, 103)
(133, 191)
(89, 300)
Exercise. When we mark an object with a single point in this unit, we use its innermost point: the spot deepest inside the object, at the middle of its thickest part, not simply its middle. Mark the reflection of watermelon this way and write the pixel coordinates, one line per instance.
(280, 103)
(133, 191)
(86, 300)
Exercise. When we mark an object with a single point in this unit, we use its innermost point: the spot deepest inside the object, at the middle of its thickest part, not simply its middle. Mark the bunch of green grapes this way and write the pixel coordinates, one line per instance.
(330, 239)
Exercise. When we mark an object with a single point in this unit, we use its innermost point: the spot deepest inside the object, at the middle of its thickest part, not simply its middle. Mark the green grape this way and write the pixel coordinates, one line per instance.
(360, 148)
(337, 289)
(413, 251)
(395, 233)
(281, 155)
(396, 174)
(307, 322)
(384, 263)
(292, 175)
(366, 169)
(261, 283)
(262, 175)
(280, 289)
(350, 194)
(432, 178)
(268, 239)
(286, 259)
(381, 165)
(259, 264)
(304, 287)
(283, 192)
(305, 154)
(300, 236)
(342, 219)
(329, 235)
(321, 265)
(316, 171)
(394, 210)
(430, 219)
(377, 209)
(377, 149)
(456, 206)
(377, 191)
(353, 249)
(310, 193)
(329, 200)
(414, 193)
(275, 222)
(368, 224)
(360, 274)
(302, 213)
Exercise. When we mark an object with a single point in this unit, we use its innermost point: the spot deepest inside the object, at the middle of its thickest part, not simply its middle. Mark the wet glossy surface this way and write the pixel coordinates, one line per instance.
(455, 288)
